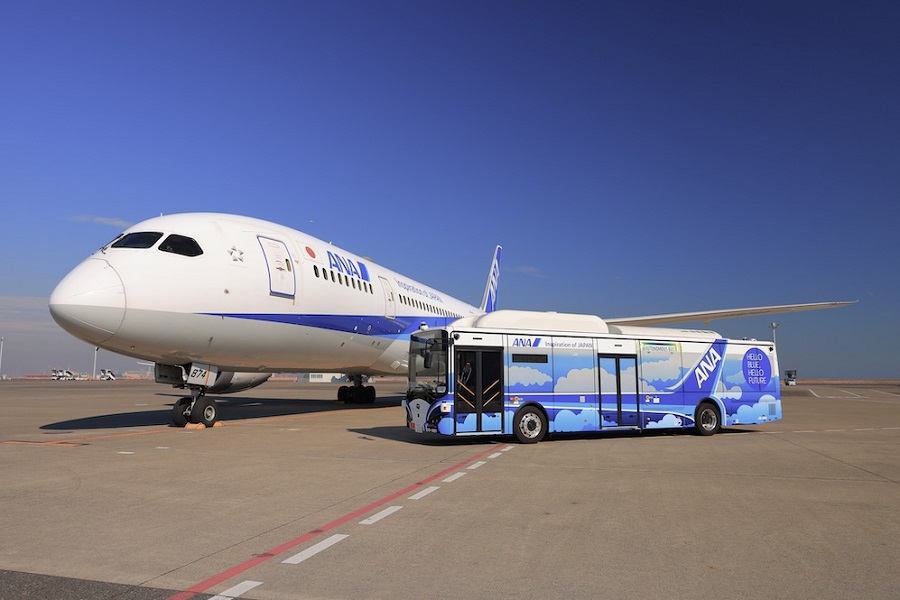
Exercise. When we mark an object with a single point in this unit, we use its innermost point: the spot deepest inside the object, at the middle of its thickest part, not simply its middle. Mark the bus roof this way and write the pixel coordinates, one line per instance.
(570, 323)
(527, 319)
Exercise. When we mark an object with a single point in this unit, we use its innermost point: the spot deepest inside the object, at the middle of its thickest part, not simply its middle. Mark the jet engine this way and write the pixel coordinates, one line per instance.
(229, 382)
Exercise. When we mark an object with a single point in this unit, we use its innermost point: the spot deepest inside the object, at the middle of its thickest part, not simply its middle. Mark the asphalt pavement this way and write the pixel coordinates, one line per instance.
(299, 496)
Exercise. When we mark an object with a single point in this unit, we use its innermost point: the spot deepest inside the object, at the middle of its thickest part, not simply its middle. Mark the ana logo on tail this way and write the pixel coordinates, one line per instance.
(489, 300)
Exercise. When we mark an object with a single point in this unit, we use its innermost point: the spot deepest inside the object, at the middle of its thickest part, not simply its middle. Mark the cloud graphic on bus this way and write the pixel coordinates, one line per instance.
(607, 422)
(663, 371)
(755, 413)
(734, 393)
(648, 387)
(577, 380)
(734, 377)
(527, 376)
(667, 421)
(566, 420)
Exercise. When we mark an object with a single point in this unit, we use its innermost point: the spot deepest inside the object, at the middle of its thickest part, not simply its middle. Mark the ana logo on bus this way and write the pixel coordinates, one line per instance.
(707, 365)
(527, 342)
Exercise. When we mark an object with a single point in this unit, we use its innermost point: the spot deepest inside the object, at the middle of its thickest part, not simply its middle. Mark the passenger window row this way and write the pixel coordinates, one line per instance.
(341, 279)
(413, 302)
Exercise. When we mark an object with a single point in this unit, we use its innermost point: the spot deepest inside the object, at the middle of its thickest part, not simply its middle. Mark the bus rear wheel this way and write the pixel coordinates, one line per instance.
(529, 425)
(707, 420)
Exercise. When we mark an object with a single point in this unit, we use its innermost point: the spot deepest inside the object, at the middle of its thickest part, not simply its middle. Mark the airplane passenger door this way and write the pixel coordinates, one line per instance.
(390, 311)
(618, 391)
(478, 395)
(281, 270)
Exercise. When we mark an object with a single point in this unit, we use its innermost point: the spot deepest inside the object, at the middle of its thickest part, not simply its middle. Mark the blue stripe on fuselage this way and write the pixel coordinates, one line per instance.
(359, 324)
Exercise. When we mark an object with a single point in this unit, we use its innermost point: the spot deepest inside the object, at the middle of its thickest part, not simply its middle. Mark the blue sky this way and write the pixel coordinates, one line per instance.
(631, 157)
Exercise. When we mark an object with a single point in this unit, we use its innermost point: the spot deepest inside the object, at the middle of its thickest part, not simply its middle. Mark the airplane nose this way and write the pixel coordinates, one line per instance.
(89, 302)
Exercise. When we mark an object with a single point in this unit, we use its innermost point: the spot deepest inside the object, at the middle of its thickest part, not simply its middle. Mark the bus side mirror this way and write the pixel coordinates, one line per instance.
(428, 359)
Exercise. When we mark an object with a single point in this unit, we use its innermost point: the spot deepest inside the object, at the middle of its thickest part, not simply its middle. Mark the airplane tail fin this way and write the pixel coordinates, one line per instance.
(489, 300)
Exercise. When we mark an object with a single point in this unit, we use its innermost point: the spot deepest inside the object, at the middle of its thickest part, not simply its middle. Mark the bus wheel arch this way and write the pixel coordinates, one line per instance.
(530, 424)
(707, 418)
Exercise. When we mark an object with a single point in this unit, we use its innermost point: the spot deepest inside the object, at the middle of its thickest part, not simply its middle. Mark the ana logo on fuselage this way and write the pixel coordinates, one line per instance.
(347, 266)
(527, 342)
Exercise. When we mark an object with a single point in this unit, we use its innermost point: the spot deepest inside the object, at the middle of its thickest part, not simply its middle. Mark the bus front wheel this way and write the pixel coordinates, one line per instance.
(529, 425)
(707, 420)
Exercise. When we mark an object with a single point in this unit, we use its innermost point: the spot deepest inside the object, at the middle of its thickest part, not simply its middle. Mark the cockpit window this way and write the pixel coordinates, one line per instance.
(180, 244)
(141, 239)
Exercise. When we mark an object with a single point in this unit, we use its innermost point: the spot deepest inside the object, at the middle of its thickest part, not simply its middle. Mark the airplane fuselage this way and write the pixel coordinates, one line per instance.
(245, 295)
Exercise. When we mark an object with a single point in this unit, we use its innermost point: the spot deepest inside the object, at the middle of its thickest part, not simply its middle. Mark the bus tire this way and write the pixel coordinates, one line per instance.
(529, 425)
(707, 420)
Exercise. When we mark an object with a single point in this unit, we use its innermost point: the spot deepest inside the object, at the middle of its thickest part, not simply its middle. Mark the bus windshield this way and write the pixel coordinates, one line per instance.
(428, 362)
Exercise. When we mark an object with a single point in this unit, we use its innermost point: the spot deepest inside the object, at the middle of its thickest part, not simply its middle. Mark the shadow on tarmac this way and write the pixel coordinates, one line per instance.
(400, 433)
(403, 434)
(230, 409)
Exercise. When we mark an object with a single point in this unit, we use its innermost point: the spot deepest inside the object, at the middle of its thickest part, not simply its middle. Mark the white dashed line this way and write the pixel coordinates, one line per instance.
(233, 592)
(494, 455)
(380, 515)
(313, 550)
(453, 477)
(424, 493)
(476, 465)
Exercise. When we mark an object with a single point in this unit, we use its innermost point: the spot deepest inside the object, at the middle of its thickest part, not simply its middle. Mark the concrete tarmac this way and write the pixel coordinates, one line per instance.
(301, 497)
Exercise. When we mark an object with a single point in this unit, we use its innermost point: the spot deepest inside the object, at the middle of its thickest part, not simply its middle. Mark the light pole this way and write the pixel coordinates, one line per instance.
(94, 375)
(2, 339)
(773, 326)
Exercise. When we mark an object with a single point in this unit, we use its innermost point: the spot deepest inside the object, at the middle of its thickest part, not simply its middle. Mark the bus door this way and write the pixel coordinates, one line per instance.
(478, 385)
(618, 391)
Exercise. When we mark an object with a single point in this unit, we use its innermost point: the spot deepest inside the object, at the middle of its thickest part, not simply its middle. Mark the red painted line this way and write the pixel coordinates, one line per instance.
(81, 441)
(257, 560)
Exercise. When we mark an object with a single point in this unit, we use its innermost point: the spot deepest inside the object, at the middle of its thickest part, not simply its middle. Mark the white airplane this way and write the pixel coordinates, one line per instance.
(219, 302)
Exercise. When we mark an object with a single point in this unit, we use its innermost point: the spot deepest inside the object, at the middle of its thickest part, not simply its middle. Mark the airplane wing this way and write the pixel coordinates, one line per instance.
(731, 313)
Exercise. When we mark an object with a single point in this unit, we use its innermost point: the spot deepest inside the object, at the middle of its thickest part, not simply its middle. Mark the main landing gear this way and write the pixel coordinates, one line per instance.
(196, 408)
(356, 393)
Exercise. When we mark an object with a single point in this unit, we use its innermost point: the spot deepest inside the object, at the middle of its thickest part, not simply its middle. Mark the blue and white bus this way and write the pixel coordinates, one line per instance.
(530, 374)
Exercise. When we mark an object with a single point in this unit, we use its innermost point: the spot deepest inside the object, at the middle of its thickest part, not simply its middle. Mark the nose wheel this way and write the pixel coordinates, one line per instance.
(196, 408)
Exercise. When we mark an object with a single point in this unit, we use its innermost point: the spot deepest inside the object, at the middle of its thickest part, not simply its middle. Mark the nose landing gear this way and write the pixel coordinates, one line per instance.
(196, 408)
